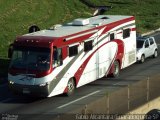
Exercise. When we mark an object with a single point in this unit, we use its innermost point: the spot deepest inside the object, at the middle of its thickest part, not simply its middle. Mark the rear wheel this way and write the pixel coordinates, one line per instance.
(116, 69)
(155, 54)
(142, 59)
(70, 87)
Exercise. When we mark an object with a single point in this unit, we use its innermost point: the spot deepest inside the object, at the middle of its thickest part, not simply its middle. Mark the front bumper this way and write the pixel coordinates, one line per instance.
(31, 90)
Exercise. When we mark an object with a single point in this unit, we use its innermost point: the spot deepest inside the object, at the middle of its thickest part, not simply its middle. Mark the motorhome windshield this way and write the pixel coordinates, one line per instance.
(30, 58)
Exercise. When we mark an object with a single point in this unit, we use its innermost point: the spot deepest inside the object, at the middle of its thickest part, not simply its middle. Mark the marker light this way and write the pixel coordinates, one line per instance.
(11, 82)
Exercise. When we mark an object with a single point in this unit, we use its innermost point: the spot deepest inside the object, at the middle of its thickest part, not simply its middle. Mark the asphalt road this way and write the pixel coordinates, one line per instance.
(10, 103)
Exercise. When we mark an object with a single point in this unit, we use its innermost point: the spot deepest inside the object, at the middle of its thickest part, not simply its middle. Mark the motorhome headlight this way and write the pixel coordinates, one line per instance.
(11, 82)
(44, 84)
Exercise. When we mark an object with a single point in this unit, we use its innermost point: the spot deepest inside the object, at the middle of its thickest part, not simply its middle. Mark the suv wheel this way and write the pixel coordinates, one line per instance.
(142, 59)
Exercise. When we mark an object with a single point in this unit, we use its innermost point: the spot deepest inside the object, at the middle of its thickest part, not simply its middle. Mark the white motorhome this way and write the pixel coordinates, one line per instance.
(58, 60)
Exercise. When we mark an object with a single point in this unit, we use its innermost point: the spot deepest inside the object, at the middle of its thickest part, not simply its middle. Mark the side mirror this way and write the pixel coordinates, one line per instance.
(33, 28)
(10, 50)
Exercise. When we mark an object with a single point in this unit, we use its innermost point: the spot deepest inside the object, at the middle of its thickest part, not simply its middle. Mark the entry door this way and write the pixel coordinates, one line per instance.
(103, 58)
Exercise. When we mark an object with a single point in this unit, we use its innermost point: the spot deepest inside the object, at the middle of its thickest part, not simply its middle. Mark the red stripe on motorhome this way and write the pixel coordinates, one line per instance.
(79, 72)
(120, 33)
(109, 26)
(48, 41)
(133, 29)
(119, 56)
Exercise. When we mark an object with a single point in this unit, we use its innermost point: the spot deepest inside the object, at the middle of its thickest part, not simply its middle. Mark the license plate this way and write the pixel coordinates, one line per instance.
(26, 91)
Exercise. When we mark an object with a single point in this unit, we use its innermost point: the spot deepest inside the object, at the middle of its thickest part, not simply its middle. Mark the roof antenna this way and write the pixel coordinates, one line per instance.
(101, 10)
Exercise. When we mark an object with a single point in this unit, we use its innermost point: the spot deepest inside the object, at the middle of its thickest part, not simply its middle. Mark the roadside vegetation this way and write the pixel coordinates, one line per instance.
(16, 16)
(146, 12)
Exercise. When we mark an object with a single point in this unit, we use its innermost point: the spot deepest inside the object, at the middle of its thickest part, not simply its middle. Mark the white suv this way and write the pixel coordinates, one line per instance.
(146, 47)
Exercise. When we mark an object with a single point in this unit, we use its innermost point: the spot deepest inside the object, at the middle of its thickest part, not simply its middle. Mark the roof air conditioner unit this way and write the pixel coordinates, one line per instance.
(81, 22)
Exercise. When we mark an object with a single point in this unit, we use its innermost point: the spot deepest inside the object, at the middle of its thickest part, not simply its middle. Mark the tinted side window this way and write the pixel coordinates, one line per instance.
(151, 41)
(112, 36)
(73, 50)
(146, 44)
(126, 33)
(88, 46)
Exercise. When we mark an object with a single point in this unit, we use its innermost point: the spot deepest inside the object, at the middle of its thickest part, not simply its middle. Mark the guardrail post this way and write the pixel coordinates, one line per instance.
(107, 103)
(58, 117)
(148, 79)
(128, 98)
(85, 109)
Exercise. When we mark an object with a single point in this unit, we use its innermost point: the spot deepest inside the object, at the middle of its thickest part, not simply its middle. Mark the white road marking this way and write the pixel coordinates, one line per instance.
(6, 100)
(78, 99)
(3, 85)
(121, 83)
(117, 83)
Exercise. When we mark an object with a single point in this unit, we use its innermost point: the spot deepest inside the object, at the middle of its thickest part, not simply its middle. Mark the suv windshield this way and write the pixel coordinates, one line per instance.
(31, 58)
(140, 43)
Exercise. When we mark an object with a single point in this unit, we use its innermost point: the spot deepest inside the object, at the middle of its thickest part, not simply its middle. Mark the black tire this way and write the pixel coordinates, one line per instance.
(155, 54)
(153, 114)
(142, 59)
(70, 87)
(116, 69)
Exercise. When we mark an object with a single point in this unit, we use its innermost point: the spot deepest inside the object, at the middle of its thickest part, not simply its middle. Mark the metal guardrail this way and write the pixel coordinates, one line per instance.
(119, 102)
(127, 98)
